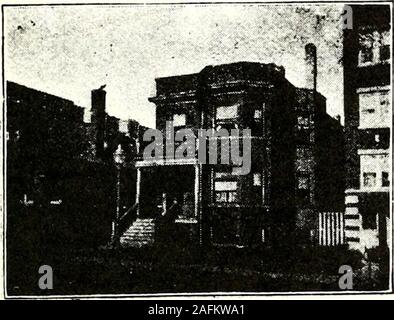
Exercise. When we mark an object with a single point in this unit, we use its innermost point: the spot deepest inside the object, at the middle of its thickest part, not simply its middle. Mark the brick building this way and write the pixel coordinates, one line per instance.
(367, 102)
(59, 166)
(320, 167)
(287, 172)
(217, 205)
(40, 127)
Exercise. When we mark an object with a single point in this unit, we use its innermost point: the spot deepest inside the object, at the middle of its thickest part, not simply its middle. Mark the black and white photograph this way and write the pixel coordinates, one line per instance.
(206, 149)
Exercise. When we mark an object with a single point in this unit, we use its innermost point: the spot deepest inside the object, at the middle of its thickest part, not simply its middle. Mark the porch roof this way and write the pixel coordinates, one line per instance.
(165, 162)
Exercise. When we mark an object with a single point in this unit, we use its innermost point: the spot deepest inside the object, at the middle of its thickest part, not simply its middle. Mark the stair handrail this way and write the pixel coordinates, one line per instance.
(127, 219)
(132, 208)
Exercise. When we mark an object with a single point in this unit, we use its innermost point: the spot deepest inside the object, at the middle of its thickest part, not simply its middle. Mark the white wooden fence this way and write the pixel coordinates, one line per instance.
(331, 228)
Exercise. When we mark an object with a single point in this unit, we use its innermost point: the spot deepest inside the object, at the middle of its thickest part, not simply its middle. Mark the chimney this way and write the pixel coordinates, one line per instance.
(310, 66)
(98, 120)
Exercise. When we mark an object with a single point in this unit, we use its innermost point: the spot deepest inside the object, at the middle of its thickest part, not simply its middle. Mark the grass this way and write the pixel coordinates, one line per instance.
(173, 269)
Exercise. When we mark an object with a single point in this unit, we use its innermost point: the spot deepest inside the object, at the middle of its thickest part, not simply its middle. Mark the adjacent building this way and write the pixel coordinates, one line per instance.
(320, 172)
(40, 127)
(61, 176)
(367, 104)
(320, 169)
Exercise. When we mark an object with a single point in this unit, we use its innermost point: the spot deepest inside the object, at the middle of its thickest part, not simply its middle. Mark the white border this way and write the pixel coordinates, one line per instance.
(326, 295)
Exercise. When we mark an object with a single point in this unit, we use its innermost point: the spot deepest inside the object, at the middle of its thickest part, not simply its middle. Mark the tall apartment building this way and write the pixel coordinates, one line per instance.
(367, 103)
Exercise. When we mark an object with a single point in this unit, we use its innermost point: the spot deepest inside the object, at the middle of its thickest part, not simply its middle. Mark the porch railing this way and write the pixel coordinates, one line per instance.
(331, 228)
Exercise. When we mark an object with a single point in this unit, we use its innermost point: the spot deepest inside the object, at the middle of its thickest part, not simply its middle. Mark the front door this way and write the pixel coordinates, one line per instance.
(160, 186)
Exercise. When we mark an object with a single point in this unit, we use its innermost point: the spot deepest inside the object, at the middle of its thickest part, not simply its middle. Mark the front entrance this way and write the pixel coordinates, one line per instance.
(161, 186)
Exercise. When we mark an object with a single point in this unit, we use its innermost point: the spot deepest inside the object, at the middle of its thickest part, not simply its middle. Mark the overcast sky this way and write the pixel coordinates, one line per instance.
(70, 50)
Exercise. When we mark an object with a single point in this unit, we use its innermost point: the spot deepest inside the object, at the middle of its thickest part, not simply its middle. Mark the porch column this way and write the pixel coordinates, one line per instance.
(197, 199)
(138, 191)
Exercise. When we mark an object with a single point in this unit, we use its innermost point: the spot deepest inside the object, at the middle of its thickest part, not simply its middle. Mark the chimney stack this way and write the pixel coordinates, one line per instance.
(310, 66)
(98, 120)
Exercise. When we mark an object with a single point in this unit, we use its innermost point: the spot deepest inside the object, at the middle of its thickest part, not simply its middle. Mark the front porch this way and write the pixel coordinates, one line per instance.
(163, 183)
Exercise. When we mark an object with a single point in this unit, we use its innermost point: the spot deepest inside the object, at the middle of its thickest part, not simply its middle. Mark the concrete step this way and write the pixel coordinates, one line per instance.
(143, 227)
(139, 234)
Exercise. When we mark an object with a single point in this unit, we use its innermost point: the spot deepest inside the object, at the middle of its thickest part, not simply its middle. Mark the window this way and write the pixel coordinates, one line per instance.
(366, 49)
(374, 169)
(374, 109)
(225, 185)
(179, 120)
(369, 179)
(221, 174)
(303, 122)
(225, 191)
(303, 182)
(257, 179)
(366, 54)
(227, 112)
(385, 179)
(258, 114)
(303, 188)
(384, 46)
(374, 48)
(384, 52)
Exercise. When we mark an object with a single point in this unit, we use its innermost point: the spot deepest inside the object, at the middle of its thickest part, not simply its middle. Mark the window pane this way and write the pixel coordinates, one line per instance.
(257, 114)
(257, 179)
(374, 109)
(303, 122)
(232, 196)
(179, 120)
(228, 112)
(384, 52)
(220, 197)
(303, 182)
(369, 179)
(221, 174)
(385, 179)
(366, 48)
(366, 55)
(225, 185)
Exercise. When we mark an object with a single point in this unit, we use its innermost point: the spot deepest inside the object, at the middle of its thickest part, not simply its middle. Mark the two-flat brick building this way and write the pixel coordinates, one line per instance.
(289, 170)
